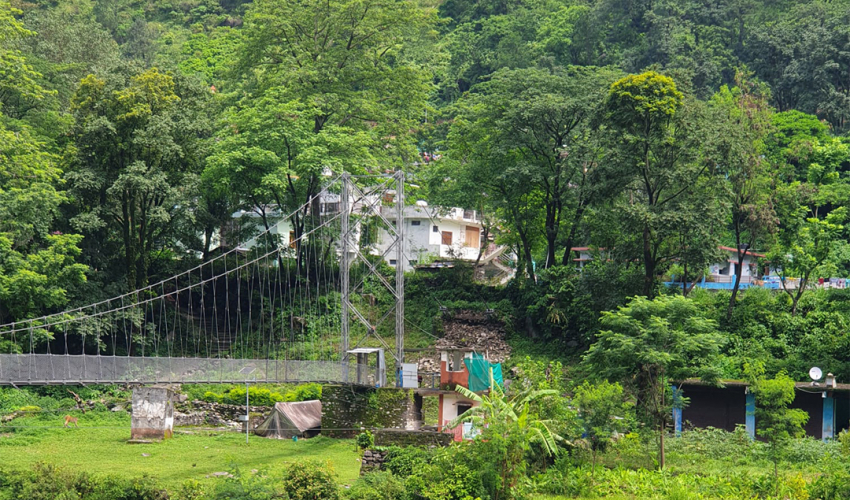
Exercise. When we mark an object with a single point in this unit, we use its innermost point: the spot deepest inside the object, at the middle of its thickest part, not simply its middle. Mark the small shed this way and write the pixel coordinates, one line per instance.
(302, 419)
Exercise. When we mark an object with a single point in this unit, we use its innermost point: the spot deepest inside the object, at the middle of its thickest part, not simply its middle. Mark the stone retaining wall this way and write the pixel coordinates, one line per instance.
(348, 408)
(200, 413)
(400, 437)
(372, 460)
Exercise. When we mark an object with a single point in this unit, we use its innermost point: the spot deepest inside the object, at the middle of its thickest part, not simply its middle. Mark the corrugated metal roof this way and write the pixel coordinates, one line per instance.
(304, 415)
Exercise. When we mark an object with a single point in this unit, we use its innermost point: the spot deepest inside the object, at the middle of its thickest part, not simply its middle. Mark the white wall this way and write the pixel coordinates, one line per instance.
(421, 242)
(450, 402)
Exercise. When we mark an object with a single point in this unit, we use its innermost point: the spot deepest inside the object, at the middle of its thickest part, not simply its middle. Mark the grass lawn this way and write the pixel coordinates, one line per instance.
(102, 448)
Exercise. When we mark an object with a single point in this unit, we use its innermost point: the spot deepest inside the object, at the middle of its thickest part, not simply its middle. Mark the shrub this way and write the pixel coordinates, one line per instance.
(452, 474)
(211, 397)
(833, 486)
(310, 481)
(48, 482)
(245, 487)
(403, 462)
(190, 490)
(810, 450)
(378, 485)
(714, 443)
(365, 440)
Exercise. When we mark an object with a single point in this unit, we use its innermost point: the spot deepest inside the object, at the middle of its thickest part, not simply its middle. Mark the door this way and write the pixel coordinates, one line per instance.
(473, 237)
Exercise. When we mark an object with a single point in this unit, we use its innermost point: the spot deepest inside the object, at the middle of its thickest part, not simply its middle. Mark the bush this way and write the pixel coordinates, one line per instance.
(310, 481)
(379, 485)
(833, 486)
(48, 482)
(190, 490)
(365, 440)
(243, 487)
(403, 462)
(452, 474)
(260, 396)
(714, 443)
(810, 450)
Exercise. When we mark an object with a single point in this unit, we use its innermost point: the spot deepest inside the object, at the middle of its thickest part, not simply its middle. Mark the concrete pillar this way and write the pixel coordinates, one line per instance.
(828, 417)
(153, 413)
(677, 411)
(750, 418)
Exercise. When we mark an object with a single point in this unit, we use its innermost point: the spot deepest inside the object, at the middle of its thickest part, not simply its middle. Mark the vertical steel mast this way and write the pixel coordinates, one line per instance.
(399, 274)
(345, 262)
(368, 206)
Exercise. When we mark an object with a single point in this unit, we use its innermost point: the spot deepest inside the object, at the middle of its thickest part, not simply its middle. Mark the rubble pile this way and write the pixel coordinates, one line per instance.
(469, 330)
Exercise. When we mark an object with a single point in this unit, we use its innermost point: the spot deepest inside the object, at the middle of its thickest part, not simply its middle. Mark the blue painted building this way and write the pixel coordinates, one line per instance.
(732, 405)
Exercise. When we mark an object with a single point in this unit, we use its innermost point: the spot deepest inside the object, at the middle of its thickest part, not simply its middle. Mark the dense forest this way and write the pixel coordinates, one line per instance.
(648, 132)
(651, 132)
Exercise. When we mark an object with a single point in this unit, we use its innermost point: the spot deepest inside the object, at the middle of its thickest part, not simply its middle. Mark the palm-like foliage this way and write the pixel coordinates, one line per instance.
(512, 413)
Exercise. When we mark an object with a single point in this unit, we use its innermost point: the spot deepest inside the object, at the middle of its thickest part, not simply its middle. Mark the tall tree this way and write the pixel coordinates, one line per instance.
(38, 268)
(330, 89)
(538, 122)
(812, 213)
(139, 140)
(742, 120)
(18, 79)
(653, 136)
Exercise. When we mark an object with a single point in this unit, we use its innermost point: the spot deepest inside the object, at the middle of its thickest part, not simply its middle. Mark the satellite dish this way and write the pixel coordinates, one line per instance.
(815, 373)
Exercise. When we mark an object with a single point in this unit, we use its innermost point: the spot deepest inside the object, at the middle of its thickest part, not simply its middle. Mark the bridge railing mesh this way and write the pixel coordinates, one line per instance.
(42, 369)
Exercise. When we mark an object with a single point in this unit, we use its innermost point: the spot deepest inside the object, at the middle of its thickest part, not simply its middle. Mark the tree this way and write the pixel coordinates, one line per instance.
(18, 79)
(509, 428)
(602, 411)
(537, 121)
(139, 147)
(649, 343)
(330, 90)
(742, 121)
(812, 215)
(37, 265)
(38, 268)
(777, 423)
(653, 146)
(804, 249)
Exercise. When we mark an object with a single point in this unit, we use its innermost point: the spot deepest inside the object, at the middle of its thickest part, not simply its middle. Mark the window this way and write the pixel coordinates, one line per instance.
(393, 262)
(447, 237)
(416, 223)
(393, 223)
(435, 229)
(330, 208)
(463, 408)
(468, 214)
(473, 237)
(455, 363)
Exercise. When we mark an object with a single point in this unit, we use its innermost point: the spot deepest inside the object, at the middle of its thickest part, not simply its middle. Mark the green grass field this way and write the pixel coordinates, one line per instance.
(100, 446)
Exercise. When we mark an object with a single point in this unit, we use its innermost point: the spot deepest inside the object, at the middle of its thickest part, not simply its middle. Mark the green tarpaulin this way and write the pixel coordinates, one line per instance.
(479, 372)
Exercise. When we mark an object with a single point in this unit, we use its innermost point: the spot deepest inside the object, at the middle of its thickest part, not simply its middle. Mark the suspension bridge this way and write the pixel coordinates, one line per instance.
(303, 300)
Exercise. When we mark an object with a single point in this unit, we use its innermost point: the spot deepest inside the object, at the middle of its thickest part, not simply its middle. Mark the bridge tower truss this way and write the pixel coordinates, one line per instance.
(365, 211)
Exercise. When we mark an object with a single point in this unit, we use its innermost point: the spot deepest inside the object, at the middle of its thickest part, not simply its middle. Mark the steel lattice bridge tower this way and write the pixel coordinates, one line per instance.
(288, 304)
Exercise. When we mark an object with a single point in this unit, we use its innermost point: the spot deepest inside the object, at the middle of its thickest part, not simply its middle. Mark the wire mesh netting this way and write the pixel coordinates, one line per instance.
(40, 369)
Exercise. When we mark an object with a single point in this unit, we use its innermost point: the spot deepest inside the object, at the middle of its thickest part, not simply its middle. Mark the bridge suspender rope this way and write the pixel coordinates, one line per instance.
(253, 311)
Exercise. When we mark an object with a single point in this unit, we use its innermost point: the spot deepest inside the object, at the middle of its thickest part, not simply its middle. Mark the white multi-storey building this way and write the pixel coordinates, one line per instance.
(432, 233)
